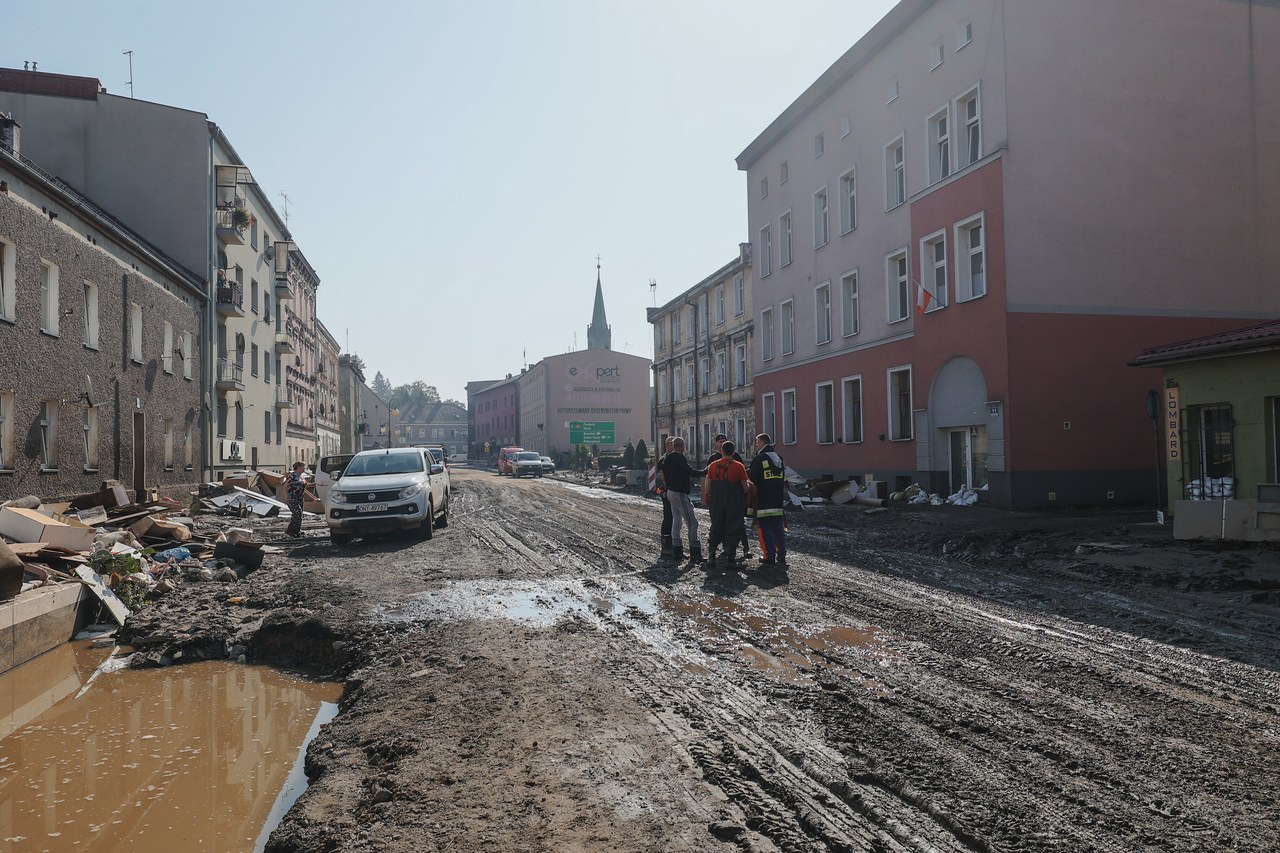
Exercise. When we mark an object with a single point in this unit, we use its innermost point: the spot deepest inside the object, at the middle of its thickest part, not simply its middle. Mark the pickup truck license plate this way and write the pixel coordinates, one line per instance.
(371, 508)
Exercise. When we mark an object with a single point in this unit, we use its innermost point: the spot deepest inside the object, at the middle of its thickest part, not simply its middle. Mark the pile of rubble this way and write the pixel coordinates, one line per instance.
(127, 552)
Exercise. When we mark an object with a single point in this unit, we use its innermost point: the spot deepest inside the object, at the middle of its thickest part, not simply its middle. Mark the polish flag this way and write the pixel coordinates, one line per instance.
(923, 299)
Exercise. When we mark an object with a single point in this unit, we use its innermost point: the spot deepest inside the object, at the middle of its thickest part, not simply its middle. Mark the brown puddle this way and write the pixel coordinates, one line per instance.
(192, 757)
(778, 650)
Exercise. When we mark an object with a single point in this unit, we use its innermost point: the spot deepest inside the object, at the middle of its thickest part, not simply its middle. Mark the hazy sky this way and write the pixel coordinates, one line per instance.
(454, 169)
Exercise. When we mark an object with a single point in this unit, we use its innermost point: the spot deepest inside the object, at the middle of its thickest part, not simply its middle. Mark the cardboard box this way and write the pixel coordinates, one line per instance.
(28, 525)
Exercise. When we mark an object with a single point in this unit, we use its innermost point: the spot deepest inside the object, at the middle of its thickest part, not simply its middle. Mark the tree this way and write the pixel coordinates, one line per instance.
(629, 456)
(381, 386)
(642, 454)
(415, 393)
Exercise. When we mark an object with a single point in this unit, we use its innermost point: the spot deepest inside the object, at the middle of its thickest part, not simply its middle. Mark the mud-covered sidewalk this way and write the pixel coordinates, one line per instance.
(927, 678)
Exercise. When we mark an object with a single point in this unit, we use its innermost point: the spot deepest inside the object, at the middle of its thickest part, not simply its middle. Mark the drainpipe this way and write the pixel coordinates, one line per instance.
(208, 352)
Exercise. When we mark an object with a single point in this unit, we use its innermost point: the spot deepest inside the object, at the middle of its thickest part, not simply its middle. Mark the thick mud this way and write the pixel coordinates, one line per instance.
(923, 679)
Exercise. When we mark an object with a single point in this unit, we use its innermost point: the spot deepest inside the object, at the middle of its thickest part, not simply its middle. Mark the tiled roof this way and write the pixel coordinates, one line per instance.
(1262, 336)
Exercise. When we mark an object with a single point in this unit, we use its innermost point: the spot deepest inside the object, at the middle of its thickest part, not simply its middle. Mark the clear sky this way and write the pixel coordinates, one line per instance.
(453, 169)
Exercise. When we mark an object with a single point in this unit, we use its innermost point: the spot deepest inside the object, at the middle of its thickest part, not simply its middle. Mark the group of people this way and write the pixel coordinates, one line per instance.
(731, 490)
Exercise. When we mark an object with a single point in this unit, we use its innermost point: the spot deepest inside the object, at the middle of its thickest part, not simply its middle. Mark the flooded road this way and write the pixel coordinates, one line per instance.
(185, 758)
(534, 678)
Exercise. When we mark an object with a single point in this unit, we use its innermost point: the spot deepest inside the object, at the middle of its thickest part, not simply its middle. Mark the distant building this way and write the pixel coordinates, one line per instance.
(434, 423)
(351, 386)
(474, 445)
(592, 397)
(328, 427)
(497, 416)
(966, 226)
(702, 371)
(101, 334)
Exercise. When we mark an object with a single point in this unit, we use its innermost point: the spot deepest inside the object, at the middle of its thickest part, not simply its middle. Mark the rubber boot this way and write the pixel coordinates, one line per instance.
(695, 553)
(677, 553)
(668, 550)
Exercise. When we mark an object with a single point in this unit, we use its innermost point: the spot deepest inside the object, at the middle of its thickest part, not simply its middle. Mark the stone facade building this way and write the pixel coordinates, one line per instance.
(434, 423)
(101, 336)
(496, 410)
(702, 370)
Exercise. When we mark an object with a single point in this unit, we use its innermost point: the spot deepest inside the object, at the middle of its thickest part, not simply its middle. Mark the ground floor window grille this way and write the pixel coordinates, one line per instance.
(1211, 452)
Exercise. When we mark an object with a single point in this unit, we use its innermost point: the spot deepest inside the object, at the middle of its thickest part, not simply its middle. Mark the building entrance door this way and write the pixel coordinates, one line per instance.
(968, 457)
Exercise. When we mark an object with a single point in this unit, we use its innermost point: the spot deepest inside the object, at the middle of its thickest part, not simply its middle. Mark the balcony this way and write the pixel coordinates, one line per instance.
(284, 342)
(225, 222)
(284, 397)
(230, 298)
(230, 375)
(283, 288)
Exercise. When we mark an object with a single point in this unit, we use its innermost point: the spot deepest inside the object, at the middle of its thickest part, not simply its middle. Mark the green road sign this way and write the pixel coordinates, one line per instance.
(591, 432)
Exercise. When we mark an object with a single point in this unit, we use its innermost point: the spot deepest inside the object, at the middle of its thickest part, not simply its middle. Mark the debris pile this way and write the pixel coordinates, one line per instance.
(127, 551)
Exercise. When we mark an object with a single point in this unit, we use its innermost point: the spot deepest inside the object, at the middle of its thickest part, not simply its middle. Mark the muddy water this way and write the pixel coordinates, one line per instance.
(187, 758)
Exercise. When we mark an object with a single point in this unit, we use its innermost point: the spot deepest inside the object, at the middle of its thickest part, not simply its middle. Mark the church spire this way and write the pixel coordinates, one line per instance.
(598, 334)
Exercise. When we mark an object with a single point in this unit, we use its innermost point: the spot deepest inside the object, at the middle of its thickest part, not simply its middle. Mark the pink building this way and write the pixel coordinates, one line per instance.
(496, 413)
(970, 223)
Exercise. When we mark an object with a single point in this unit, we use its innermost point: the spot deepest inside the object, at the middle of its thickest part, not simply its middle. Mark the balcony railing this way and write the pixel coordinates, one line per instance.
(225, 223)
(230, 298)
(284, 397)
(230, 374)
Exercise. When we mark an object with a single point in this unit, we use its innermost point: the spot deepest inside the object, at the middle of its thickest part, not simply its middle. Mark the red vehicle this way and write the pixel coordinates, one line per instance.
(505, 457)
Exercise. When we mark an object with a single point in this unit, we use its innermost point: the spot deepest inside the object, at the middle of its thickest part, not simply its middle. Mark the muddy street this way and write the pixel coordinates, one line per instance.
(532, 678)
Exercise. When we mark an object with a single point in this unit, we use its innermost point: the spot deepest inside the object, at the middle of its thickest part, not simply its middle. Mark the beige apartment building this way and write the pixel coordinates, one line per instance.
(702, 369)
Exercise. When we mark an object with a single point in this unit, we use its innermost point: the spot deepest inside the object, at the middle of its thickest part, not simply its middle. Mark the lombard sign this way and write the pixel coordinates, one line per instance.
(592, 432)
(1172, 425)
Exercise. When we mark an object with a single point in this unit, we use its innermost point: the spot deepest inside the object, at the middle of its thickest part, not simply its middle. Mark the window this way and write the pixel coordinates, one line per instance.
(6, 430)
(788, 327)
(937, 53)
(90, 311)
(704, 314)
(188, 356)
(740, 365)
(662, 387)
(676, 391)
(704, 371)
(768, 415)
(90, 429)
(166, 357)
(939, 146)
(706, 436)
(849, 304)
(822, 312)
(899, 403)
(789, 416)
(1212, 434)
(766, 334)
(764, 188)
(253, 299)
(848, 202)
(222, 416)
(846, 127)
(49, 435)
(266, 427)
(740, 436)
(821, 233)
(253, 359)
(825, 396)
(688, 372)
(967, 111)
(898, 287)
(719, 305)
(818, 146)
(891, 91)
(253, 232)
(766, 252)
(49, 309)
(720, 370)
(239, 421)
(690, 325)
(8, 287)
(266, 369)
(895, 187)
(675, 328)
(783, 172)
(189, 445)
(971, 266)
(266, 305)
(279, 420)
(851, 403)
(784, 239)
(660, 329)
(168, 444)
(964, 34)
(933, 261)
(739, 296)
(135, 332)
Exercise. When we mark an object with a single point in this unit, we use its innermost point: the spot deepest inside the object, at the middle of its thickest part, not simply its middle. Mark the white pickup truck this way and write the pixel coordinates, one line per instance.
(382, 491)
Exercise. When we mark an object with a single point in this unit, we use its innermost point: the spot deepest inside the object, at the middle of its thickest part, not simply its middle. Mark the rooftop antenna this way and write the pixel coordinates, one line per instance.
(653, 291)
(285, 196)
(129, 53)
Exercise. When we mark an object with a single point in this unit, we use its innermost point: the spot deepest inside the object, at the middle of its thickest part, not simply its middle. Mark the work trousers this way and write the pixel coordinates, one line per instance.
(666, 515)
(682, 514)
(726, 527)
(773, 535)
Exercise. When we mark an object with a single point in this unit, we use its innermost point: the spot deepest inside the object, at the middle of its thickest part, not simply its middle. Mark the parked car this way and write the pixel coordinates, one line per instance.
(548, 467)
(328, 471)
(456, 458)
(382, 491)
(527, 463)
(505, 456)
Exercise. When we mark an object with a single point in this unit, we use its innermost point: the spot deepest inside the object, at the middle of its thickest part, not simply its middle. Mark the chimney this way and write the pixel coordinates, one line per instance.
(10, 134)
